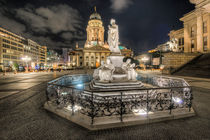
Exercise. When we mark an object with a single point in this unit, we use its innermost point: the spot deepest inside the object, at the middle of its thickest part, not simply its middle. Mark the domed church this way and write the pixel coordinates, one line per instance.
(95, 48)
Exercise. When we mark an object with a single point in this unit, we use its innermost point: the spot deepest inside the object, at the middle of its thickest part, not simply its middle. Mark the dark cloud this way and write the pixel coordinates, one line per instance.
(55, 19)
(44, 24)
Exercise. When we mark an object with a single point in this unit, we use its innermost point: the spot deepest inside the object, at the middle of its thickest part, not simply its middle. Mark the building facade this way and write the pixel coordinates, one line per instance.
(14, 47)
(195, 34)
(197, 27)
(95, 48)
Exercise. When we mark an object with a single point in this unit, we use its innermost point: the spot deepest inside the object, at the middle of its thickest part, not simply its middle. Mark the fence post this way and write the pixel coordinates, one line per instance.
(92, 109)
(147, 103)
(72, 101)
(171, 104)
(121, 108)
(191, 97)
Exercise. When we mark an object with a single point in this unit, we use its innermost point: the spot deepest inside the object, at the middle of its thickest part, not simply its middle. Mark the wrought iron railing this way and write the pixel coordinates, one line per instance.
(64, 93)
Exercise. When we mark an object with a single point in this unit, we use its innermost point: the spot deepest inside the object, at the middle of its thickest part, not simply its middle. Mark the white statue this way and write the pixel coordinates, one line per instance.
(129, 69)
(113, 37)
(173, 45)
(106, 71)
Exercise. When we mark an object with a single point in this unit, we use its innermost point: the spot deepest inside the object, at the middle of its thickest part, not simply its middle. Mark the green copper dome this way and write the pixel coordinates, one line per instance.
(95, 15)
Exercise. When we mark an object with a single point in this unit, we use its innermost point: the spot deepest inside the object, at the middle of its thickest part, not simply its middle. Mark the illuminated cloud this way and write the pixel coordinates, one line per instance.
(119, 5)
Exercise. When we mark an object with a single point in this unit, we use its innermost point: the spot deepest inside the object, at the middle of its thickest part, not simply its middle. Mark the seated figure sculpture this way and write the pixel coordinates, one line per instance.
(129, 69)
(106, 71)
(96, 71)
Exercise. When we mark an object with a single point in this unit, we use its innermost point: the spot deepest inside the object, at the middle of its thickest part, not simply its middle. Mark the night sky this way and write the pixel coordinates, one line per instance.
(143, 24)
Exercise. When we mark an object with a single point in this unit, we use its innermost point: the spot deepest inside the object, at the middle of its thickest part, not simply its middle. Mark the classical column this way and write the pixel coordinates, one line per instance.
(199, 31)
(208, 24)
(186, 38)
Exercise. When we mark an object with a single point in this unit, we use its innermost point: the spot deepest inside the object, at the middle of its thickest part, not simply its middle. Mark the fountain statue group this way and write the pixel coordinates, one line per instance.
(114, 69)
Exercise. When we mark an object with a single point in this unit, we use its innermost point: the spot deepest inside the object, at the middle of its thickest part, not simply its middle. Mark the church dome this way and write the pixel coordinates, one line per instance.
(95, 15)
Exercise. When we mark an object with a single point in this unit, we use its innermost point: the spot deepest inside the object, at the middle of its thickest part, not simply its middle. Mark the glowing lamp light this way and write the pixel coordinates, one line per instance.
(141, 112)
(64, 93)
(145, 59)
(76, 108)
(26, 58)
(177, 100)
(79, 86)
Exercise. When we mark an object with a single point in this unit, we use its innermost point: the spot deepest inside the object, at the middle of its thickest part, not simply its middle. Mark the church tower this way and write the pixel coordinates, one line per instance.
(95, 31)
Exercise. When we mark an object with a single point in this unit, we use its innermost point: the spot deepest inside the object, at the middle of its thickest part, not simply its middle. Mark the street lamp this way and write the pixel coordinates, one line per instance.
(26, 59)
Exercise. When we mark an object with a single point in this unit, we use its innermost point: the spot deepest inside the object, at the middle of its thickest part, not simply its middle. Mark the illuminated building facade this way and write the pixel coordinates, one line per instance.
(95, 49)
(197, 27)
(195, 34)
(14, 47)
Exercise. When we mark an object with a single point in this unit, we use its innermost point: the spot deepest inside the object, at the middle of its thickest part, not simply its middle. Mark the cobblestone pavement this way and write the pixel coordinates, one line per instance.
(22, 116)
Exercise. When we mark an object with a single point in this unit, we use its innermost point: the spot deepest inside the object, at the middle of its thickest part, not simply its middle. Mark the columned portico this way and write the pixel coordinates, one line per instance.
(197, 27)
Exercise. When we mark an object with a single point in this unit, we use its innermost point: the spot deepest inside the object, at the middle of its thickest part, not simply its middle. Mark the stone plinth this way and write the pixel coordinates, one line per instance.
(116, 59)
(117, 85)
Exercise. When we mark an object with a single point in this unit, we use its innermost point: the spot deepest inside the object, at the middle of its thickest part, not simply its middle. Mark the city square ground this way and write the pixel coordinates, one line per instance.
(22, 115)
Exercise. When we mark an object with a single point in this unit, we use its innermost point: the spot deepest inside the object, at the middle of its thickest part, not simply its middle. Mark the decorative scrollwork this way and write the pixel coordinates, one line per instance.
(120, 103)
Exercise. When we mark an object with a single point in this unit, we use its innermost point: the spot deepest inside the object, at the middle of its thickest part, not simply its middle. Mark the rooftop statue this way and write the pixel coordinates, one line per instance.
(173, 45)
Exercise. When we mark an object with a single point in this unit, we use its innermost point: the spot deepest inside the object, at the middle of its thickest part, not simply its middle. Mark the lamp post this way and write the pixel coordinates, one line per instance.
(26, 59)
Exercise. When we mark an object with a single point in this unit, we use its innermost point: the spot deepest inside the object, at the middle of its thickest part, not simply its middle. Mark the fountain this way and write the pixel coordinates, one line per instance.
(116, 95)
(115, 73)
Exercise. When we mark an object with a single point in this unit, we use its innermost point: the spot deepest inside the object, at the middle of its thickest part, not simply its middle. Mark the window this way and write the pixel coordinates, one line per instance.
(6, 46)
(87, 58)
(180, 41)
(14, 57)
(192, 45)
(205, 27)
(6, 56)
(87, 63)
(80, 63)
(13, 43)
(20, 45)
(183, 41)
(14, 48)
(80, 57)
(4, 50)
(192, 31)
(205, 40)
(7, 41)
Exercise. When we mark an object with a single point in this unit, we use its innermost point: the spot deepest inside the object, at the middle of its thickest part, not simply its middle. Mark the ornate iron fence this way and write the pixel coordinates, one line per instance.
(64, 92)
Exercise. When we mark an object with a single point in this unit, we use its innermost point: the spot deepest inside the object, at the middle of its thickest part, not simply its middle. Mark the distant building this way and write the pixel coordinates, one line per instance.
(65, 55)
(53, 59)
(14, 47)
(95, 49)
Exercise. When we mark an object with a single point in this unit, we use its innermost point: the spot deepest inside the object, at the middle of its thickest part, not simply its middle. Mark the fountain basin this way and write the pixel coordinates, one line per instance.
(110, 105)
